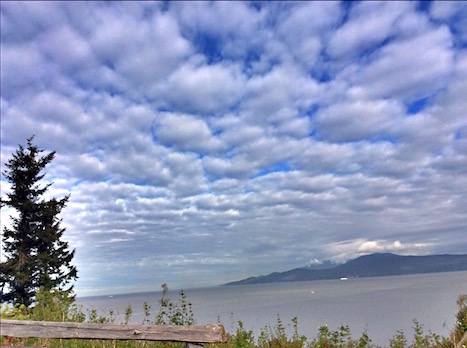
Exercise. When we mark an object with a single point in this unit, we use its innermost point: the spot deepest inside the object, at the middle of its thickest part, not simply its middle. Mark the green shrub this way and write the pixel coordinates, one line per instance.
(339, 338)
(128, 313)
(277, 338)
(460, 329)
(242, 338)
(95, 318)
(180, 313)
(398, 341)
(56, 305)
(16, 312)
(420, 340)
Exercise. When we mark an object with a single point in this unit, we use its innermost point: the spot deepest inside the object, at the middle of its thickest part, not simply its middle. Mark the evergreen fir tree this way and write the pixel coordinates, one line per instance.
(35, 254)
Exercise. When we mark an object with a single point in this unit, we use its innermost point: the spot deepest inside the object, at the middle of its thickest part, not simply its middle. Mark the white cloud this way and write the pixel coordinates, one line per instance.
(205, 89)
(21, 68)
(303, 28)
(371, 247)
(346, 250)
(237, 167)
(369, 24)
(132, 46)
(397, 72)
(67, 49)
(445, 10)
(230, 38)
(455, 13)
(23, 22)
(359, 119)
(186, 133)
(385, 246)
(282, 88)
(315, 262)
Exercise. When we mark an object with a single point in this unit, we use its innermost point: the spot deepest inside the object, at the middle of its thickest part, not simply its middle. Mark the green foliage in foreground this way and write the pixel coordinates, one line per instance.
(58, 306)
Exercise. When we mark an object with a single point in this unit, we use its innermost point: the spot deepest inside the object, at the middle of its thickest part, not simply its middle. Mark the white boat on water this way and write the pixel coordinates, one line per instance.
(344, 278)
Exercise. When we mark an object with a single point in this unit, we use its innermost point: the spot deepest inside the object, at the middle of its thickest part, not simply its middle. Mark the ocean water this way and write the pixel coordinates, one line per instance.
(379, 306)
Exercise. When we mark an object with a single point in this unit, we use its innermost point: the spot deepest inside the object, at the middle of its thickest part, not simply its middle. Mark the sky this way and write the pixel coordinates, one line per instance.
(206, 142)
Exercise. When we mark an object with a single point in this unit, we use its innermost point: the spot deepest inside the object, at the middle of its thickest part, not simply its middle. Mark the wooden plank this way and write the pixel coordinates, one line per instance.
(45, 329)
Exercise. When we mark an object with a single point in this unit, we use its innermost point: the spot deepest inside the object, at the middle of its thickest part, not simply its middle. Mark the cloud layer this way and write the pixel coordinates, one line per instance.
(206, 142)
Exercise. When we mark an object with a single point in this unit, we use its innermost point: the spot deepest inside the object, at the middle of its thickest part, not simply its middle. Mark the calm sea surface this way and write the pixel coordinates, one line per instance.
(380, 306)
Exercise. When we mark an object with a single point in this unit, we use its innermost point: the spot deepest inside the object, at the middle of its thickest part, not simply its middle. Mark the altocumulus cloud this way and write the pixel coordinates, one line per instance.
(210, 141)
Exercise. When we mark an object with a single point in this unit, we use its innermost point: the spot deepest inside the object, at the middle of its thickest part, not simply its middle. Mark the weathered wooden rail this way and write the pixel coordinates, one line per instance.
(174, 333)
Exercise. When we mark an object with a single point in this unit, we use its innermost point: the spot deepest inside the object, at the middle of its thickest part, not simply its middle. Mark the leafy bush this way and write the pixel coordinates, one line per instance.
(460, 330)
(16, 312)
(56, 305)
(180, 313)
(277, 338)
(398, 341)
(339, 338)
(242, 339)
(49, 305)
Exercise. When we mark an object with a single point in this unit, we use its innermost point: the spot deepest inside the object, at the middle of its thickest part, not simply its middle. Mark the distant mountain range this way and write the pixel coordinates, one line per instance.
(374, 265)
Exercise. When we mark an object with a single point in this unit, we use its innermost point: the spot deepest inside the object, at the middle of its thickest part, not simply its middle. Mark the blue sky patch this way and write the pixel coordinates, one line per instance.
(210, 46)
(280, 167)
(416, 106)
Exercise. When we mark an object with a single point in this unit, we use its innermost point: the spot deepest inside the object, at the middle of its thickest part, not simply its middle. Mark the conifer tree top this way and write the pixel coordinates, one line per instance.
(33, 246)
